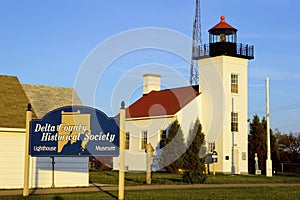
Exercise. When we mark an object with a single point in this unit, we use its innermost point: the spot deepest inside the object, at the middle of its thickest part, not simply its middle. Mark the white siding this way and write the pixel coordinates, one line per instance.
(69, 171)
(216, 107)
(135, 157)
(188, 115)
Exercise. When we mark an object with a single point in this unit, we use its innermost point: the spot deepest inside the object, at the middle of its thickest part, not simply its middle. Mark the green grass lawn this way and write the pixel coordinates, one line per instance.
(256, 193)
(111, 177)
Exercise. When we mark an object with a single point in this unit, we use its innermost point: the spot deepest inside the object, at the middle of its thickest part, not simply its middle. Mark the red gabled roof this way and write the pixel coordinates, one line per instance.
(161, 103)
(222, 25)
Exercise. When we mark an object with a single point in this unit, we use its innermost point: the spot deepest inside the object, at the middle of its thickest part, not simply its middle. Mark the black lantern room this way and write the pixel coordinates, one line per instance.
(222, 32)
(223, 41)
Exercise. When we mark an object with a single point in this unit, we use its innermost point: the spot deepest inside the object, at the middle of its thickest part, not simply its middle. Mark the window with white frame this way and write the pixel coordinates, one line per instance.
(144, 139)
(234, 83)
(234, 122)
(127, 140)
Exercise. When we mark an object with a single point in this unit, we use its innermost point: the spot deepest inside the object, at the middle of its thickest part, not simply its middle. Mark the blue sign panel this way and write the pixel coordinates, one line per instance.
(74, 131)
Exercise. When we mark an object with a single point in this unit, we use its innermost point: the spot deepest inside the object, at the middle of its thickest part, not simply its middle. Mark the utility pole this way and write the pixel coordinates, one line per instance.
(268, 161)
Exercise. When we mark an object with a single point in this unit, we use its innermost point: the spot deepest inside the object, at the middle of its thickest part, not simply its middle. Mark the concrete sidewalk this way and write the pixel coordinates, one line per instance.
(99, 187)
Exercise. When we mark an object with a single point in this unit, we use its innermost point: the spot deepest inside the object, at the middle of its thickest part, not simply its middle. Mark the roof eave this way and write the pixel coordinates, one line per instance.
(150, 117)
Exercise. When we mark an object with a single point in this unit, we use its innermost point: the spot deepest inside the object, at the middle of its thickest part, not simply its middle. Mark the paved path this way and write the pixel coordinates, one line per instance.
(105, 188)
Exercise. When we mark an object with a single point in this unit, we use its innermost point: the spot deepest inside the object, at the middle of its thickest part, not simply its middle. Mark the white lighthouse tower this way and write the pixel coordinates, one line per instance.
(223, 80)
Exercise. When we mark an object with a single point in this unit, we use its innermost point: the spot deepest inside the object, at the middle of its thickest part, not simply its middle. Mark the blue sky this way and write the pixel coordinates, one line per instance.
(46, 42)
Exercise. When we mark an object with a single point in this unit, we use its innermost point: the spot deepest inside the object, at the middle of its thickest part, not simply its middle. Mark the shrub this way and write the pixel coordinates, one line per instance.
(192, 177)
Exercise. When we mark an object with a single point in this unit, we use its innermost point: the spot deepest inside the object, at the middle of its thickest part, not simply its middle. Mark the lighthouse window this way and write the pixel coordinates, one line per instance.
(144, 140)
(234, 83)
(234, 122)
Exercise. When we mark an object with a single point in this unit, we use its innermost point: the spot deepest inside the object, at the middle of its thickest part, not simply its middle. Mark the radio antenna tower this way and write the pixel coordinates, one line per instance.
(196, 46)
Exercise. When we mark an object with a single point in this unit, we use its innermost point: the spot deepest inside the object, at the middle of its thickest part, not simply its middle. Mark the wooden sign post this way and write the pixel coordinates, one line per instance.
(149, 154)
(122, 147)
(26, 153)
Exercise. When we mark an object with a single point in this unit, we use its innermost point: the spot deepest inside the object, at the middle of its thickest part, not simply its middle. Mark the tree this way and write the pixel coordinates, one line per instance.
(289, 151)
(289, 147)
(195, 141)
(275, 155)
(194, 165)
(171, 158)
(257, 143)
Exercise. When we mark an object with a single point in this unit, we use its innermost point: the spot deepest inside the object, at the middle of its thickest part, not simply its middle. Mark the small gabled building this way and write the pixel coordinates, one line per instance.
(14, 98)
(148, 119)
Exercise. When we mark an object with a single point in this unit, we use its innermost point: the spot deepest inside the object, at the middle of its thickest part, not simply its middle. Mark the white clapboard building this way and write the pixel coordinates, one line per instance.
(220, 102)
(14, 97)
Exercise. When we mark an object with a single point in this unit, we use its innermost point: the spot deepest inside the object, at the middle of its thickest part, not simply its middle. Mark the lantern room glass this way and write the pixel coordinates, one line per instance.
(222, 36)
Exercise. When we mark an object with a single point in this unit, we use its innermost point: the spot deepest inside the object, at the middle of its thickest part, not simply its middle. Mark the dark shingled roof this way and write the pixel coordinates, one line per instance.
(46, 98)
(13, 104)
(14, 98)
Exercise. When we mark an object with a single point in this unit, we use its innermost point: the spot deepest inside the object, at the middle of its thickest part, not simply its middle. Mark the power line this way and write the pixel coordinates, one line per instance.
(279, 108)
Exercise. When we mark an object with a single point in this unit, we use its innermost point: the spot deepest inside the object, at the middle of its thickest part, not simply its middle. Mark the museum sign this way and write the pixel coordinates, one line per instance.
(74, 131)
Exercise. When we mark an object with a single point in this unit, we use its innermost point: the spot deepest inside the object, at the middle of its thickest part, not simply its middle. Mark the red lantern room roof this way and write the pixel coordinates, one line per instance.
(222, 25)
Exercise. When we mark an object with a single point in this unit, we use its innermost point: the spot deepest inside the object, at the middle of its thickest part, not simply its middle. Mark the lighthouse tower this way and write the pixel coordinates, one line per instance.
(223, 80)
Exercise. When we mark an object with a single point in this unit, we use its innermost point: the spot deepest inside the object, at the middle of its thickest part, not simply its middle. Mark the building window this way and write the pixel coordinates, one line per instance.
(234, 122)
(234, 83)
(144, 140)
(163, 136)
(211, 146)
(127, 140)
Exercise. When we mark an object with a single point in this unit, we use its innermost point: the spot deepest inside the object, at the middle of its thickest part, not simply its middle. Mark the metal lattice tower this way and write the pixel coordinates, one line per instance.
(196, 46)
